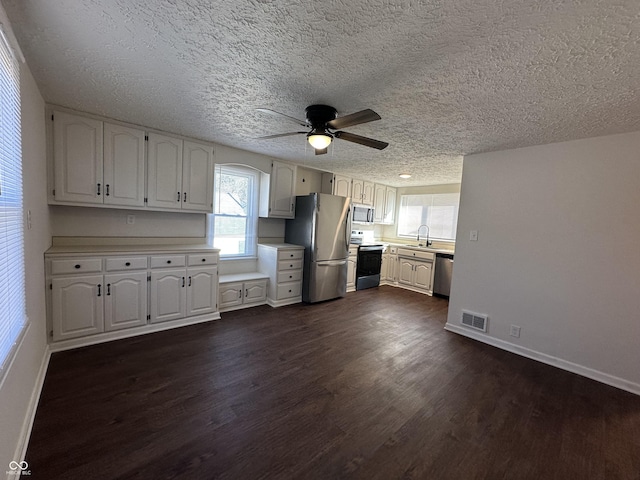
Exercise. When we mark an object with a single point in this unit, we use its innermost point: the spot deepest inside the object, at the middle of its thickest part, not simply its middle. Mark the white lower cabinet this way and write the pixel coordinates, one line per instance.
(99, 296)
(415, 270)
(236, 295)
(282, 264)
(352, 264)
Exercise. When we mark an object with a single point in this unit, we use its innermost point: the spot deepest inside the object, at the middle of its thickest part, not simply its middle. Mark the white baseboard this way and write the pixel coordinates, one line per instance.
(27, 424)
(596, 375)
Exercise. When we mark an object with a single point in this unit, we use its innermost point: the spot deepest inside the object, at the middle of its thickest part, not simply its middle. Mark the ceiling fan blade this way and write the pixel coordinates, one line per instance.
(368, 142)
(302, 123)
(357, 118)
(279, 135)
(321, 151)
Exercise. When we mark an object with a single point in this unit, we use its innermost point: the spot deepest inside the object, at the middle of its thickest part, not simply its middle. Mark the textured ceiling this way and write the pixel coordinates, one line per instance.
(447, 77)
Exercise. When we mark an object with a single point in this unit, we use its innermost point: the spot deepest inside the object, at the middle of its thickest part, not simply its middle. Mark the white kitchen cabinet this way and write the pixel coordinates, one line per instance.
(77, 159)
(341, 186)
(384, 204)
(282, 263)
(277, 199)
(415, 270)
(164, 172)
(77, 306)
(352, 263)
(125, 300)
(241, 294)
(124, 156)
(98, 295)
(357, 191)
(197, 177)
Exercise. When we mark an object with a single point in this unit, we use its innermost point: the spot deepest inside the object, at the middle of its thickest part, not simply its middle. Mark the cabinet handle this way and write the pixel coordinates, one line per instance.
(178, 199)
(98, 189)
(106, 189)
(204, 259)
(77, 266)
(99, 291)
(185, 197)
(168, 261)
(182, 282)
(128, 264)
(290, 276)
(240, 293)
(108, 289)
(246, 292)
(291, 255)
(189, 280)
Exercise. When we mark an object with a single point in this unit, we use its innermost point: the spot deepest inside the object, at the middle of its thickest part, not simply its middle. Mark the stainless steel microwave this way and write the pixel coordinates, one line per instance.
(362, 214)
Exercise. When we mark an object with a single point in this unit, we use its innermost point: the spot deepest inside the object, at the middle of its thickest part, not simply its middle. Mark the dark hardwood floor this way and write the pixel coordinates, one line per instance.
(367, 387)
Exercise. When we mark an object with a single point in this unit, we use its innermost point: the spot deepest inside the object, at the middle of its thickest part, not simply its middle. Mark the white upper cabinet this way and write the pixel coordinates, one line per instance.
(164, 179)
(357, 191)
(384, 204)
(341, 186)
(197, 177)
(389, 206)
(123, 165)
(367, 193)
(277, 198)
(77, 159)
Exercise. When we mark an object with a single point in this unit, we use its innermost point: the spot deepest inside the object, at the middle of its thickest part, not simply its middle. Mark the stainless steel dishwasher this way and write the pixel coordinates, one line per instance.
(444, 269)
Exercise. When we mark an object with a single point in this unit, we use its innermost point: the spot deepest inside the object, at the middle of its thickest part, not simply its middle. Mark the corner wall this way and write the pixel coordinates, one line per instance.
(21, 386)
(557, 254)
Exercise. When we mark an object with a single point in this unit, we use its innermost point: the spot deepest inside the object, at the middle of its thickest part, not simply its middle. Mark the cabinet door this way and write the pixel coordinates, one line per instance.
(164, 176)
(390, 206)
(197, 177)
(351, 272)
(230, 295)
(405, 271)
(125, 301)
(422, 277)
(384, 267)
(123, 165)
(255, 291)
(379, 199)
(202, 290)
(77, 158)
(367, 193)
(281, 201)
(392, 268)
(168, 295)
(342, 186)
(357, 191)
(77, 306)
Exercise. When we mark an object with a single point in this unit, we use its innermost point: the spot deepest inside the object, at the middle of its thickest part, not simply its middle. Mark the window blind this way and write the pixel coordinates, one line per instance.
(12, 294)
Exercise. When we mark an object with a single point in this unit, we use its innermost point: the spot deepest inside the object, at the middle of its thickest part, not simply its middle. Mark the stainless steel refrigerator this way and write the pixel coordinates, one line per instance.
(323, 226)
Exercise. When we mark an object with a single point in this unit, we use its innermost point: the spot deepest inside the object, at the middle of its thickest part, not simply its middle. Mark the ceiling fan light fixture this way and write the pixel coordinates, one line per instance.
(319, 140)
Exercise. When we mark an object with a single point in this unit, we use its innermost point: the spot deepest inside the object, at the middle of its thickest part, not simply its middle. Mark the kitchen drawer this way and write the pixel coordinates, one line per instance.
(289, 276)
(164, 261)
(417, 254)
(126, 263)
(393, 250)
(76, 265)
(202, 259)
(290, 254)
(288, 290)
(289, 265)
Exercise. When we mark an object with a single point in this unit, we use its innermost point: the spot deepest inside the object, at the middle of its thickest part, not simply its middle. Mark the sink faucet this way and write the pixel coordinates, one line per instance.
(428, 244)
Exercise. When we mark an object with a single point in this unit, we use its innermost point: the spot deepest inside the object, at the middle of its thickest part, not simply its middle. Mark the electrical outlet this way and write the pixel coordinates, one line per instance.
(515, 331)
(473, 235)
(131, 219)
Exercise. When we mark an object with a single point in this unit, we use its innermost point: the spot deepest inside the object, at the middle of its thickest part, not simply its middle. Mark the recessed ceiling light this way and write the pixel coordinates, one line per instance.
(404, 175)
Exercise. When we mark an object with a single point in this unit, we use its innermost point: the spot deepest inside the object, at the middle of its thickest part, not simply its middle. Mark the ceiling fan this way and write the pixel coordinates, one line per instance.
(325, 126)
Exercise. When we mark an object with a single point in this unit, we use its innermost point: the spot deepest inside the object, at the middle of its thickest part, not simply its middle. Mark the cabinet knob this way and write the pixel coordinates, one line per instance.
(168, 261)
(128, 264)
(290, 266)
(77, 266)
(204, 259)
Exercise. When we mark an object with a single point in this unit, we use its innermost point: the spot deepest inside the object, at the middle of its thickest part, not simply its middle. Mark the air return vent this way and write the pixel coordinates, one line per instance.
(474, 320)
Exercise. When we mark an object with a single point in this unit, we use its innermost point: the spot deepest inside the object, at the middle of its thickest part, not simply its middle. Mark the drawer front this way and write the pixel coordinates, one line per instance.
(76, 265)
(126, 263)
(288, 290)
(167, 261)
(404, 252)
(289, 265)
(202, 259)
(290, 254)
(289, 276)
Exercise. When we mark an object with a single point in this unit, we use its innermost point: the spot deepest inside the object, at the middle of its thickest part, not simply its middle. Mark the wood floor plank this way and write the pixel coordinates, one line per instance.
(368, 386)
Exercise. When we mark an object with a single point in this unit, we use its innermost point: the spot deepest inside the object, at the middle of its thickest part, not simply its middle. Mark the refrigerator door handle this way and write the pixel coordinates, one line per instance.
(347, 230)
(331, 263)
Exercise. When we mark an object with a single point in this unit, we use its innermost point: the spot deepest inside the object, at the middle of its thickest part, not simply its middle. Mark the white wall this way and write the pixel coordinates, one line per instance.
(558, 254)
(21, 383)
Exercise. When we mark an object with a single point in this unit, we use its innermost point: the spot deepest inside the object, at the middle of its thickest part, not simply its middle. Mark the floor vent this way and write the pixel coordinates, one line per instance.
(474, 320)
